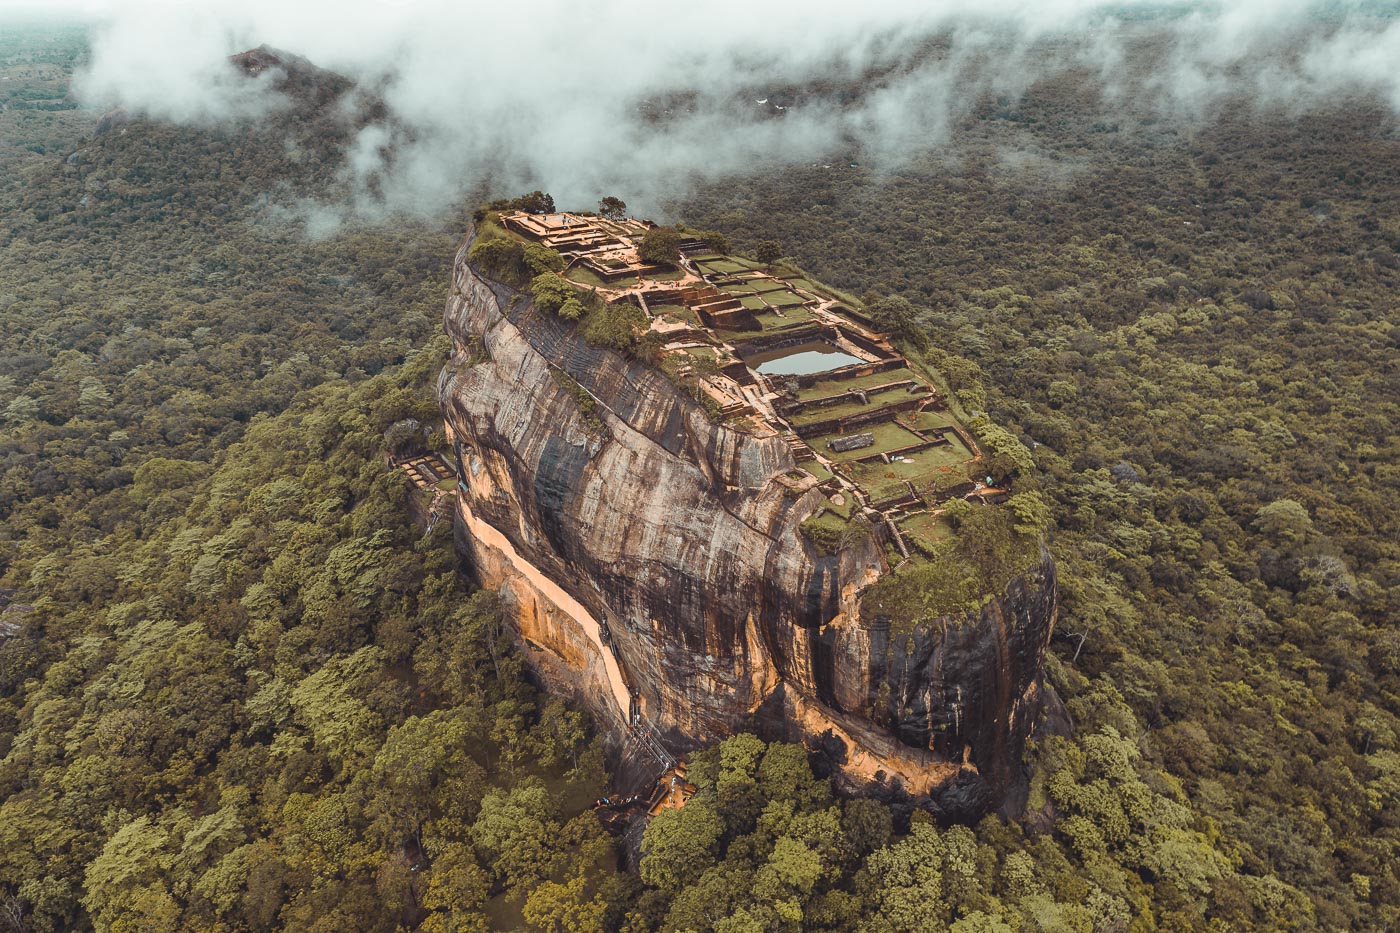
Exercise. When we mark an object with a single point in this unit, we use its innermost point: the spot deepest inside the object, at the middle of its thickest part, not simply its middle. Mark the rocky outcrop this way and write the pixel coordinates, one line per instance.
(110, 121)
(653, 565)
(312, 88)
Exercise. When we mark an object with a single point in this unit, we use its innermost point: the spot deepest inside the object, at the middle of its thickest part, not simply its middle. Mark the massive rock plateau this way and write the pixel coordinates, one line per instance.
(652, 564)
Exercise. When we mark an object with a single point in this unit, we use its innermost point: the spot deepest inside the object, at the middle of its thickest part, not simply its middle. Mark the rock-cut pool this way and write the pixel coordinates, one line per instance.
(815, 356)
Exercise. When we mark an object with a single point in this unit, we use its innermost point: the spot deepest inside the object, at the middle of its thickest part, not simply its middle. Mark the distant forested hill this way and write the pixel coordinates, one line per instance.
(38, 116)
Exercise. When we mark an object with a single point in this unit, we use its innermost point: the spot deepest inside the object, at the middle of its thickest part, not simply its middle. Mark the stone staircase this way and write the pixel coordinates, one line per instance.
(799, 450)
(898, 538)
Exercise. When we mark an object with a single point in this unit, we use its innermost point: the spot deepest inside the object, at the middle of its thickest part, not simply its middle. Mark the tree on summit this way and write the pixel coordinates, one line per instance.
(896, 314)
(612, 208)
(768, 252)
(660, 245)
(536, 202)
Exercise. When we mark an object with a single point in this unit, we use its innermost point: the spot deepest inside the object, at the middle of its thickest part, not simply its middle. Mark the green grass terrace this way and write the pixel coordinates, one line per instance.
(888, 436)
(759, 286)
(826, 388)
(676, 314)
(727, 265)
(852, 406)
(784, 318)
(926, 528)
(769, 321)
(926, 469)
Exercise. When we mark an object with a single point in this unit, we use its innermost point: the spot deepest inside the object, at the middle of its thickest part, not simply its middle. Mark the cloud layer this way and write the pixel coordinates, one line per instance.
(636, 99)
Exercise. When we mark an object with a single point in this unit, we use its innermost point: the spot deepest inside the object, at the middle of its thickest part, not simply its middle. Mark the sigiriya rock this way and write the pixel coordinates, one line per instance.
(690, 480)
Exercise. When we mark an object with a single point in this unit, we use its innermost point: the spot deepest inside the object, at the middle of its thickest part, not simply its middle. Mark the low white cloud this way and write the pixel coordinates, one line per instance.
(173, 64)
(622, 97)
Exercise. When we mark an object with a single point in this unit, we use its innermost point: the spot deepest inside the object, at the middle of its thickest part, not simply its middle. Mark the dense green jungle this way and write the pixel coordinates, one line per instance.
(240, 690)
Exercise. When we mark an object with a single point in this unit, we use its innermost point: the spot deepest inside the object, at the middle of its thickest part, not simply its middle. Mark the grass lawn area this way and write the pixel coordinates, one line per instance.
(773, 293)
(587, 277)
(927, 527)
(496, 226)
(807, 283)
(839, 410)
(675, 313)
(917, 468)
(763, 284)
(794, 315)
(847, 508)
(878, 481)
(816, 468)
(852, 407)
(954, 453)
(722, 267)
(828, 387)
(829, 518)
(771, 321)
(884, 480)
(701, 353)
(811, 288)
(934, 421)
(752, 302)
(784, 299)
(888, 436)
(758, 284)
(837, 516)
(671, 276)
(583, 276)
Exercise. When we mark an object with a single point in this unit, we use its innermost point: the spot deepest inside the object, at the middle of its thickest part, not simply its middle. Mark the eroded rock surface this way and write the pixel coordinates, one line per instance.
(653, 565)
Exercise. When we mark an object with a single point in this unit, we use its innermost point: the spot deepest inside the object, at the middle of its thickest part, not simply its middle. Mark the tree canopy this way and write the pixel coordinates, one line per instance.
(612, 208)
(660, 245)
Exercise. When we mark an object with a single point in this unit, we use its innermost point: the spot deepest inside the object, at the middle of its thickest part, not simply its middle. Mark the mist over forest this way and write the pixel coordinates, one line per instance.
(631, 106)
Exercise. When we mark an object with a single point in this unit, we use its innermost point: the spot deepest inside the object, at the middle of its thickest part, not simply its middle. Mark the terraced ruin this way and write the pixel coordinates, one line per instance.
(775, 354)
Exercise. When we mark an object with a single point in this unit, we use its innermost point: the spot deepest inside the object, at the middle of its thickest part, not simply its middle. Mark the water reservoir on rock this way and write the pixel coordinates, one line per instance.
(815, 356)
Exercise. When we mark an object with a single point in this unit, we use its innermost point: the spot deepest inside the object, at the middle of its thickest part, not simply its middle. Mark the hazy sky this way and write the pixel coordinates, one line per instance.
(545, 93)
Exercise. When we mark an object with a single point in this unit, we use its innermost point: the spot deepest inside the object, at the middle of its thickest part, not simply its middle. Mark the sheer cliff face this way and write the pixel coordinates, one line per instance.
(654, 568)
